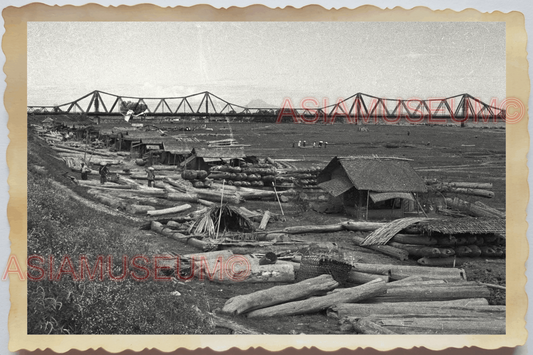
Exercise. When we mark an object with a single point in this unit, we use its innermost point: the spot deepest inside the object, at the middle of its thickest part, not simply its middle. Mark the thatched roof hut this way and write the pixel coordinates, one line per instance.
(370, 187)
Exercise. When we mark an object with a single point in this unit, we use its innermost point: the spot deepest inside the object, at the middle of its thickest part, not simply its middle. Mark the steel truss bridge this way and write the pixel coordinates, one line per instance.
(358, 107)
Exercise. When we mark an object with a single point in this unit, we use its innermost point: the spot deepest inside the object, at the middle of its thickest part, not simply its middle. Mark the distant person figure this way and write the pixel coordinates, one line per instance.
(325, 144)
(408, 133)
(299, 144)
(304, 143)
(314, 144)
(151, 176)
(103, 172)
(320, 143)
(84, 171)
(293, 144)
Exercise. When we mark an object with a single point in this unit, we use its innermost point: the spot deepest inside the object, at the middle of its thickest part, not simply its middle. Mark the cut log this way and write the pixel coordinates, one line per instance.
(110, 201)
(97, 184)
(367, 326)
(474, 209)
(384, 249)
(205, 202)
(470, 185)
(404, 324)
(472, 192)
(279, 294)
(139, 209)
(357, 277)
(64, 148)
(362, 226)
(264, 221)
(182, 187)
(443, 262)
(398, 272)
(413, 239)
(253, 273)
(176, 209)
(329, 228)
(417, 250)
(343, 310)
(262, 194)
(217, 197)
(316, 304)
(178, 196)
(442, 292)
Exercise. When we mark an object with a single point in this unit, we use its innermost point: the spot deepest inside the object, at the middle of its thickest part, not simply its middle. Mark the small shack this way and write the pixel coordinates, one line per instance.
(372, 188)
(175, 152)
(203, 158)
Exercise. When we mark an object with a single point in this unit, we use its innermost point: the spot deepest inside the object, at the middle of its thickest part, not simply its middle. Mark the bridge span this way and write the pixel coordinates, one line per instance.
(358, 107)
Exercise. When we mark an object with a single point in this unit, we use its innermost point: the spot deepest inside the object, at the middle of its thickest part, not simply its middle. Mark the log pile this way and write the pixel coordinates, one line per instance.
(445, 306)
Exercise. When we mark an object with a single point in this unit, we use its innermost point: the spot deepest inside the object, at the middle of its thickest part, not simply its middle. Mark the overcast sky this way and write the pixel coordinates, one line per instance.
(244, 61)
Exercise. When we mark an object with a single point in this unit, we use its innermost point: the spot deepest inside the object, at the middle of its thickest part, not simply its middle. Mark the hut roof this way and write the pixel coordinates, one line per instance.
(220, 152)
(376, 174)
(178, 148)
(139, 135)
(465, 225)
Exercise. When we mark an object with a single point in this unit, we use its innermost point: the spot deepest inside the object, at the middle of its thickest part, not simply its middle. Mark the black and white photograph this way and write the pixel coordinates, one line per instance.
(303, 178)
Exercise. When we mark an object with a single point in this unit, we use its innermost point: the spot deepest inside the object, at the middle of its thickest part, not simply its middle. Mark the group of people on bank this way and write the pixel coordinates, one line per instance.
(321, 144)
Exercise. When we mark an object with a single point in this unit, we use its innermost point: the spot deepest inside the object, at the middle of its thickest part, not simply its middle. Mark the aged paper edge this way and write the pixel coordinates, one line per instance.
(517, 144)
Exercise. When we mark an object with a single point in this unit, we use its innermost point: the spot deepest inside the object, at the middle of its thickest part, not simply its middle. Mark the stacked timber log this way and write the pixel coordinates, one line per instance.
(442, 242)
(299, 177)
(410, 306)
(456, 206)
(249, 176)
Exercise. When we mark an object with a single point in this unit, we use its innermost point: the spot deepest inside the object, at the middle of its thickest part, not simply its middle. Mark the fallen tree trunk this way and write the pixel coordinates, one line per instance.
(316, 304)
(279, 294)
(328, 228)
(384, 249)
(405, 324)
(432, 293)
(414, 308)
(398, 272)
